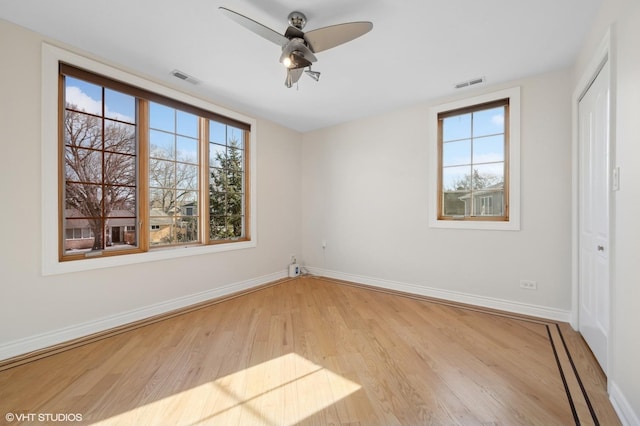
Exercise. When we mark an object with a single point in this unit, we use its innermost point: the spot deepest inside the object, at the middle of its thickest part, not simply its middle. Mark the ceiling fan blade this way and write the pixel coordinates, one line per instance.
(335, 35)
(293, 76)
(256, 27)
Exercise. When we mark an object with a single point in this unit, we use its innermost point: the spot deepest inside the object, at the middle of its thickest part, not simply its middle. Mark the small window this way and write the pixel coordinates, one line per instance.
(475, 167)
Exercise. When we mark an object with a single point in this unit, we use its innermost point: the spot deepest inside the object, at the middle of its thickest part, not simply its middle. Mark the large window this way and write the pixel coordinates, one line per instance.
(141, 170)
(475, 145)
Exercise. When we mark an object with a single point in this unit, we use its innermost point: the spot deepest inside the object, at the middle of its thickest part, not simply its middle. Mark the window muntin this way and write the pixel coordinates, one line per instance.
(473, 162)
(165, 136)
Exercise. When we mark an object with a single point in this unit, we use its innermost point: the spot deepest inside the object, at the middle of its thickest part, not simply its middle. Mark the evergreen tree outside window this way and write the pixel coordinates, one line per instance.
(226, 188)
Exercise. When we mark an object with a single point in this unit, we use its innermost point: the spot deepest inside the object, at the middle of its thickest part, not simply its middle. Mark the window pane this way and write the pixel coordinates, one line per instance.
(120, 201)
(235, 159)
(454, 203)
(456, 178)
(235, 137)
(120, 137)
(226, 227)
(488, 149)
(187, 124)
(82, 130)
(456, 127)
(162, 174)
(119, 169)
(488, 176)
(489, 203)
(488, 122)
(456, 153)
(160, 201)
(162, 117)
(83, 165)
(78, 236)
(120, 234)
(119, 106)
(83, 200)
(217, 132)
(187, 150)
(218, 204)
(187, 199)
(217, 154)
(187, 176)
(83, 96)
(162, 145)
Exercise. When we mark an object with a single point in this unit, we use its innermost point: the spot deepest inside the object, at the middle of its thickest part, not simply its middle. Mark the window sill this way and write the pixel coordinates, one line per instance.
(475, 224)
(54, 267)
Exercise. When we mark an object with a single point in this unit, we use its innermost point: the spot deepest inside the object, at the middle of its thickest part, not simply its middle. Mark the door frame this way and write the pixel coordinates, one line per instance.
(602, 54)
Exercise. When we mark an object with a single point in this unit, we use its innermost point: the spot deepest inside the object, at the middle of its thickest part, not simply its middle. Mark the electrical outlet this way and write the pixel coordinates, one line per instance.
(528, 285)
(292, 258)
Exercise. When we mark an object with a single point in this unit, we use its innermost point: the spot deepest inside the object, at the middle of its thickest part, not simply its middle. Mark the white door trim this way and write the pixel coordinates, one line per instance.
(601, 56)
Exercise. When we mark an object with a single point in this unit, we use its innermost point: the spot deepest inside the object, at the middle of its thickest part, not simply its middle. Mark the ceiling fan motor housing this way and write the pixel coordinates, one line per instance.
(297, 20)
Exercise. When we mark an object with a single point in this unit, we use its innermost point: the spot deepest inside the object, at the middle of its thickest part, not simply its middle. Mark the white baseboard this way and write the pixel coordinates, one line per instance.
(453, 296)
(55, 337)
(624, 410)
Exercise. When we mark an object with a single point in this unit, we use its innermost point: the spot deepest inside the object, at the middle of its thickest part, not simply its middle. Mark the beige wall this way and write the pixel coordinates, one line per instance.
(38, 309)
(365, 191)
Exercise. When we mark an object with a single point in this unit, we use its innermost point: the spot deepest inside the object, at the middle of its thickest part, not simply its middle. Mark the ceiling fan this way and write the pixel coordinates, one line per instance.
(298, 47)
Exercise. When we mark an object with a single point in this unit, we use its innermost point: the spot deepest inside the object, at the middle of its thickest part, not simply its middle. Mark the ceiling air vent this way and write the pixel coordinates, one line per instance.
(469, 82)
(184, 76)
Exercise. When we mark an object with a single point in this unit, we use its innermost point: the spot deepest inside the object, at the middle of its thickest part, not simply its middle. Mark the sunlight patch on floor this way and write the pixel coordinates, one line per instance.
(282, 391)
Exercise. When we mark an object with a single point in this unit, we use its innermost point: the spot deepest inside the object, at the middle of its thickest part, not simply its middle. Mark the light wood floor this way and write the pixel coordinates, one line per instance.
(317, 351)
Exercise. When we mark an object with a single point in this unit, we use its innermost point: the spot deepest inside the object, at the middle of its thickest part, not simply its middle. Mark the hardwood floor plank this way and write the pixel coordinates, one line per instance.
(315, 351)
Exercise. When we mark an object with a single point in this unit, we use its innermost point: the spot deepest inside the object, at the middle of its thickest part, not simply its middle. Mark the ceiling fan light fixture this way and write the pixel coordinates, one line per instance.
(295, 60)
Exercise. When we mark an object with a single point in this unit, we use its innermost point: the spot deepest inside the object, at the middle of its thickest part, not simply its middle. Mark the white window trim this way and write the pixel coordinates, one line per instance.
(51, 56)
(513, 224)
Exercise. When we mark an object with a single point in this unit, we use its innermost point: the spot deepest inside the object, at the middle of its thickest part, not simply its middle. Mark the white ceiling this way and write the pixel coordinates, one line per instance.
(417, 51)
